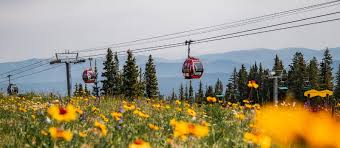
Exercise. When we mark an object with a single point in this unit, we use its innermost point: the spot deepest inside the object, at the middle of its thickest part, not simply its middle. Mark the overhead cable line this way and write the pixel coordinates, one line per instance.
(229, 34)
(231, 25)
(33, 73)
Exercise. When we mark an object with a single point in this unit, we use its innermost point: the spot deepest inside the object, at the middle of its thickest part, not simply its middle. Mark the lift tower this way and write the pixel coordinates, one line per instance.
(68, 58)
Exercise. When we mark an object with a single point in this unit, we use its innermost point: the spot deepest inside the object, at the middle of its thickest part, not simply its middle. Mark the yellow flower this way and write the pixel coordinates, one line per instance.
(141, 114)
(33, 117)
(183, 129)
(62, 114)
(157, 105)
(248, 106)
(211, 99)
(22, 109)
(82, 134)
(116, 115)
(43, 133)
(60, 134)
(139, 143)
(153, 127)
(178, 102)
(79, 111)
(240, 116)
(198, 130)
(246, 101)
(102, 128)
(191, 112)
(94, 109)
(252, 84)
(104, 118)
(129, 107)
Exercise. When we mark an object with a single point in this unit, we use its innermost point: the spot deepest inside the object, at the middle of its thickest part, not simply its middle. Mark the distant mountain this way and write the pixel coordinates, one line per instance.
(218, 65)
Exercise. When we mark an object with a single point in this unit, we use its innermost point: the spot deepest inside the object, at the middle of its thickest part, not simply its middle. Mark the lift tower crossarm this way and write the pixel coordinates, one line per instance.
(67, 58)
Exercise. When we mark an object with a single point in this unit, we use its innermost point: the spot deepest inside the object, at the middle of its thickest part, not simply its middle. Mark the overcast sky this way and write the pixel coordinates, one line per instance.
(39, 28)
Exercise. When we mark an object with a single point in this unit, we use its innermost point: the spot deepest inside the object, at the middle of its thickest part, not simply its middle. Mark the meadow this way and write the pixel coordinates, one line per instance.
(45, 121)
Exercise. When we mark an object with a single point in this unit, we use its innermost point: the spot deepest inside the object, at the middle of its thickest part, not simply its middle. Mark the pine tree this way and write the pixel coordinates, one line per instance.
(218, 87)
(242, 83)
(253, 75)
(209, 91)
(75, 93)
(141, 84)
(86, 91)
(326, 77)
(117, 81)
(181, 92)
(229, 91)
(278, 66)
(267, 91)
(173, 94)
(151, 82)
(80, 90)
(191, 92)
(260, 81)
(186, 92)
(233, 87)
(200, 93)
(337, 86)
(297, 75)
(313, 73)
(108, 75)
(130, 77)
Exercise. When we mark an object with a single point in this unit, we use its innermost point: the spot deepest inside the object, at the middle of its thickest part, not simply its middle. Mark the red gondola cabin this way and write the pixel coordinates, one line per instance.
(89, 76)
(192, 68)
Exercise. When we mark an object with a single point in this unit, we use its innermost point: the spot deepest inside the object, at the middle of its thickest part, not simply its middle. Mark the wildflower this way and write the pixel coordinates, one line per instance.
(252, 84)
(42, 132)
(141, 114)
(156, 105)
(79, 111)
(191, 112)
(246, 101)
(178, 102)
(153, 127)
(102, 128)
(248, 106)
(129, 107)
(211, 99)
(57, 133)
(104, 118)
(198, 130)
(22, 109)
(33, 117)
(240, 116)
(116, 115)
(183, 129)
(139, 143)
(82, 134)
(62, 114)
(94, 109)
(168, 140)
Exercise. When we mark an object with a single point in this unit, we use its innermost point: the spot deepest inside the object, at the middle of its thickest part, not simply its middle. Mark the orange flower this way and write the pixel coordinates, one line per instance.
(139, 143)
(211, 99)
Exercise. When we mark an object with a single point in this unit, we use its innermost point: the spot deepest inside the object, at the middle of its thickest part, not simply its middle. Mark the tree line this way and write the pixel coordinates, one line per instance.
(300, 76)
(132, 82)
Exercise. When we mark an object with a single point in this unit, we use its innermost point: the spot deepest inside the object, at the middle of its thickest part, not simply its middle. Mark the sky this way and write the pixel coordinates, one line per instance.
(40, 28)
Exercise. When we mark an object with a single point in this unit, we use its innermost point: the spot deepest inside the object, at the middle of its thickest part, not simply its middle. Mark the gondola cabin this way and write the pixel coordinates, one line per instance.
(192, 68)
(12, 89)
(89, 76)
